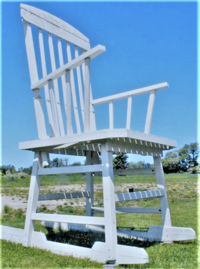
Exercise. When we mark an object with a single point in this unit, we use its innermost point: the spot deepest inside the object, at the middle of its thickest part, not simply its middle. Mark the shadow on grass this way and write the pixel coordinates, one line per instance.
(87, 239)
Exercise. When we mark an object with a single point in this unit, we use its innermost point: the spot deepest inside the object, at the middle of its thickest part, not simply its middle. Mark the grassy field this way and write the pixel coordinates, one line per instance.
(182, 196)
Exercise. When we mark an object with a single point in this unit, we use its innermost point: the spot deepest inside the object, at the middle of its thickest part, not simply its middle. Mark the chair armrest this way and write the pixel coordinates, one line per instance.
(130, 93)
(71, 65)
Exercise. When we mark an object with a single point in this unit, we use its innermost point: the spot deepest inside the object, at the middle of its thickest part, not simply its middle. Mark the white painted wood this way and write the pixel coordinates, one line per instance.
(149, 112)
(127, 196)
(125, 254)
(138, 210)
(63, 78)
(89, 186)
(78, 127)
(41, 128)
(161, 186)
(44, 158)
(54, 25)
(69, 218)
(70, 170)
(68, 104)
(116, 146)
(53, 107)
(32, 201)
(79, 85)
(62, 195)
(161, 234)
(92, 112)
(55, 83)
(68, 66)
(166, 234)
(129, 108)
(46, 90)
(119, 96)
(87, 96)
(96, 135)
(109, 204)
(111, 115)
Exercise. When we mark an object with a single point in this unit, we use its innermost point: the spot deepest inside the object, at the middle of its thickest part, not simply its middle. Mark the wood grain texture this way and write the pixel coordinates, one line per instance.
(54, 25)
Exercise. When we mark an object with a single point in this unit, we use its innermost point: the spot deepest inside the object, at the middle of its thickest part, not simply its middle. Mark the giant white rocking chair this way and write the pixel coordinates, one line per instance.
(54, 116)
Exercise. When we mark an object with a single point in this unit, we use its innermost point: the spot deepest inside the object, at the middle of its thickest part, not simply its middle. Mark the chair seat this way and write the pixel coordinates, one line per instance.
(121, 140)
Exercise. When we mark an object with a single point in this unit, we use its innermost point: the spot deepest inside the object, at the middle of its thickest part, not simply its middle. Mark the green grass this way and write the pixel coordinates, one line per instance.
(182, 198)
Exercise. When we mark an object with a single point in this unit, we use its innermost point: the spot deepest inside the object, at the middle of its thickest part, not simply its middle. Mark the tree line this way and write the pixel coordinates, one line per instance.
(182, 160)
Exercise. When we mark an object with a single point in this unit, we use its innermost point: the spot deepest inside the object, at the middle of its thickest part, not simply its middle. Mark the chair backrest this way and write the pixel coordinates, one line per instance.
(54, 110)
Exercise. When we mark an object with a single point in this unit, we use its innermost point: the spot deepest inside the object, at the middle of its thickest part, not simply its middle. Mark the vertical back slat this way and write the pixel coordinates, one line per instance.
(64, 85)
(34, 78)
(129, 108)
(79, 85)
(149, 112)
(78, 127)
(87, 96)
(55, 82)
(53, 106)
(46, 90)
(92, 113)
(111, 116)
(68, 104)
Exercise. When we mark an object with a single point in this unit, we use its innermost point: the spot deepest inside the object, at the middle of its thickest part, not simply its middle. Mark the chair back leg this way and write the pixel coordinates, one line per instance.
(109, 203)
(161, 186)
(89, 187)
(32, 200)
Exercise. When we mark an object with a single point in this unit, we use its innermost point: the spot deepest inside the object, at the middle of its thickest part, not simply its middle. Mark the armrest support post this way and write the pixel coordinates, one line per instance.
(149, 112)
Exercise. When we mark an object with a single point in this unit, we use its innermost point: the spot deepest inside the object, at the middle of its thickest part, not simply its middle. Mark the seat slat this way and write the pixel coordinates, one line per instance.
(55, 83)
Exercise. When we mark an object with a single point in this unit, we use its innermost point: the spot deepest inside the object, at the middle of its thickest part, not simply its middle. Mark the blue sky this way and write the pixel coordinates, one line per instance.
(146, 43)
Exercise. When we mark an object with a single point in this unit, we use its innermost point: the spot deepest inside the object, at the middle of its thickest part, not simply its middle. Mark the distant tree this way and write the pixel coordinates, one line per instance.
(181, 160)
(171, 154)
(27, 170)
(4, 169)
(75, 164)
(171, 165)
(8, 168)
(120, 161)
(59, 162)
(190, 153)
(140, 164)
